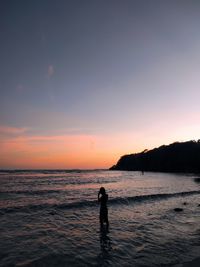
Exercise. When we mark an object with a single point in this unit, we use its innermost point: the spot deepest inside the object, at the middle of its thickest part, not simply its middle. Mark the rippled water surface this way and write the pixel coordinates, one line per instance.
(50, 218)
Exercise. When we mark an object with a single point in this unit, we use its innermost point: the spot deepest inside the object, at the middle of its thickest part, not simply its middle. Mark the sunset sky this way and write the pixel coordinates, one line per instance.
(83, 82)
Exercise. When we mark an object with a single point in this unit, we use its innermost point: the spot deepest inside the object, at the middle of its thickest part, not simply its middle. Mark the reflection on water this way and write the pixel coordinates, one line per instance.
(105, 247)
(105, 241)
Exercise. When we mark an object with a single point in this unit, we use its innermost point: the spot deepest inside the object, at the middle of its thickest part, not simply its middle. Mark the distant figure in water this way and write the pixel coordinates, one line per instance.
(103, 217)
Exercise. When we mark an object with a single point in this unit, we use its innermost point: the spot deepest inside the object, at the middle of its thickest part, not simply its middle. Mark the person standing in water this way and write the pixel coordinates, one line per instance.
(103, 199)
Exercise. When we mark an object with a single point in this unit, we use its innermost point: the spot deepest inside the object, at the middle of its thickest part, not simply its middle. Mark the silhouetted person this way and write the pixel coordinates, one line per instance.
(103, 217)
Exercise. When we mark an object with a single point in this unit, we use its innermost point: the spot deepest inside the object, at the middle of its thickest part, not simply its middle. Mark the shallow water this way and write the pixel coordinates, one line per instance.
(51, 218)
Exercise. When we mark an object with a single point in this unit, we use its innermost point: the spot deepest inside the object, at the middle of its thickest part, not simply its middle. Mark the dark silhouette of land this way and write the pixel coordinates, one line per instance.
(176, 157)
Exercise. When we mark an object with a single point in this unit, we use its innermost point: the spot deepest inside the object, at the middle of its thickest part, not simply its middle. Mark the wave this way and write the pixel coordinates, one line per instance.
(3, 172)
(81, 204)
(31, 192)
(50, 191)
(162, 196)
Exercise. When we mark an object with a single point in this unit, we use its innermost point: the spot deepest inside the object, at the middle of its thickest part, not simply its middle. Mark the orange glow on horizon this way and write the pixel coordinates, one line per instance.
(21, 150)
(70, 151)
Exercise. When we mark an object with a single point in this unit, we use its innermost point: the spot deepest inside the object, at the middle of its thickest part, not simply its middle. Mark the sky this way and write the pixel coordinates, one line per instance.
(83, 82)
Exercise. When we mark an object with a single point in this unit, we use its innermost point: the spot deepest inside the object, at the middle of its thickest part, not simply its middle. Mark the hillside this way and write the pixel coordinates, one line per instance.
(176, 157)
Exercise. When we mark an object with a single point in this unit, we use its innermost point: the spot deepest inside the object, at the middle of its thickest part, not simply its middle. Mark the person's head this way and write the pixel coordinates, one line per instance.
(102, 190)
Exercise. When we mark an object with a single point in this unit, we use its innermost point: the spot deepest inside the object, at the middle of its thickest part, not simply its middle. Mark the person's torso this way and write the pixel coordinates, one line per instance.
(104, 200)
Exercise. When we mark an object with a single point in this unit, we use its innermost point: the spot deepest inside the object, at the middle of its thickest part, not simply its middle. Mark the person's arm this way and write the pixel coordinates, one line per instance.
(99, 199)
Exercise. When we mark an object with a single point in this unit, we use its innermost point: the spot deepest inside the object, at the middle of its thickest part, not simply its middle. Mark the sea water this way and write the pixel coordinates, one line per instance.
(51, 218)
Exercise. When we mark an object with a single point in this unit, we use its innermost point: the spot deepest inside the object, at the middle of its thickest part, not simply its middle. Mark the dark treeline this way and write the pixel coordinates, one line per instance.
(176, 157)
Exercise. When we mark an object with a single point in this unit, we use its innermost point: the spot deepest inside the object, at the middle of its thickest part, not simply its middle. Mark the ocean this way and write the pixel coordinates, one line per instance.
(51, 218)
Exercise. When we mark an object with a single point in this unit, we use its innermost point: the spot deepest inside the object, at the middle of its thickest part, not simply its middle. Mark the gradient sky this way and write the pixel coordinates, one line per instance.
(83, 82)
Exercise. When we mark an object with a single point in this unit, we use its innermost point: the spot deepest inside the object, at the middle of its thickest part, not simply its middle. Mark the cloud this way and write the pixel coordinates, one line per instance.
(12, 130)
(50, 70)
